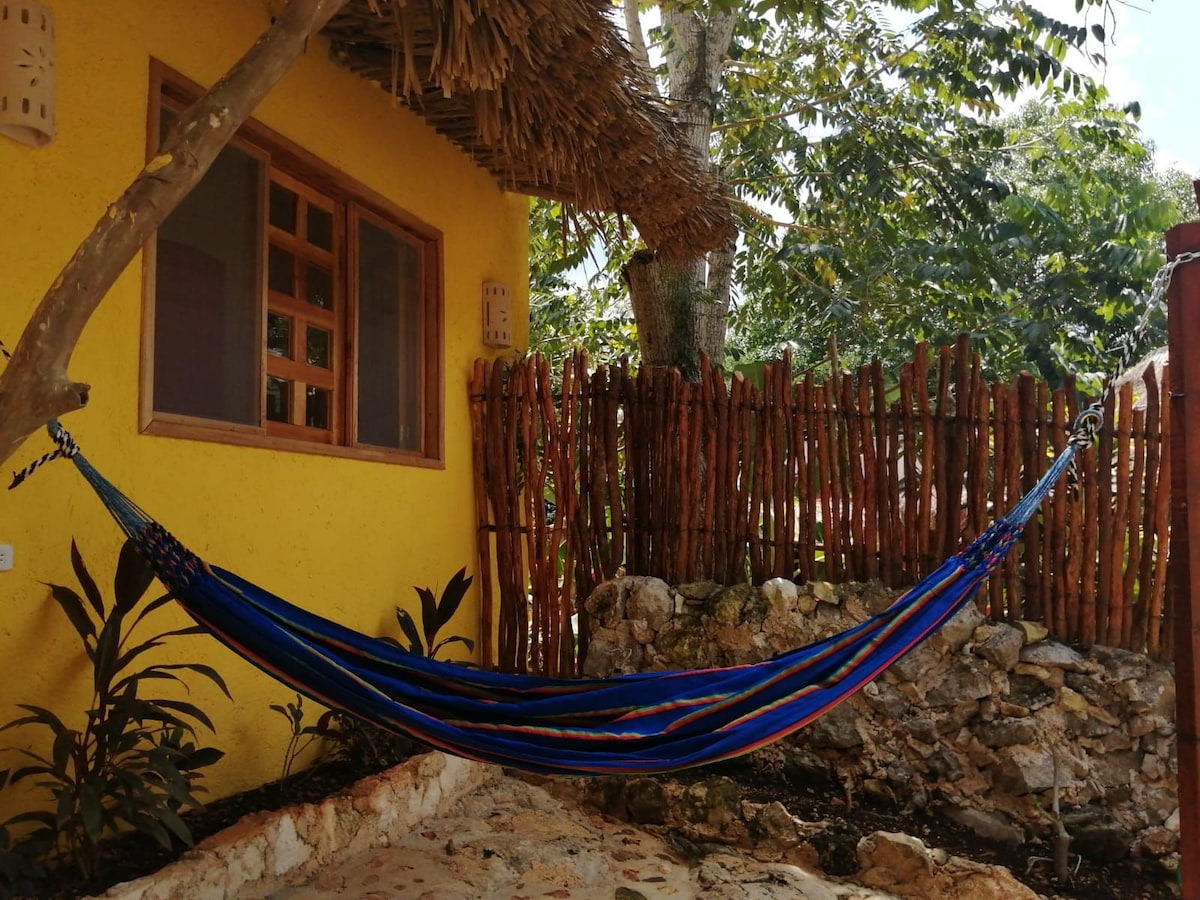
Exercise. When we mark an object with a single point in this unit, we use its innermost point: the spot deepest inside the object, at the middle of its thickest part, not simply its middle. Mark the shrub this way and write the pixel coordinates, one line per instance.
(135, 762)
(435, 615)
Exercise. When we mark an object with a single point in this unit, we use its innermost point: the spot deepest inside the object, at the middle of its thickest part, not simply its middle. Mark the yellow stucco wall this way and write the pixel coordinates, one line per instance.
(347, 538)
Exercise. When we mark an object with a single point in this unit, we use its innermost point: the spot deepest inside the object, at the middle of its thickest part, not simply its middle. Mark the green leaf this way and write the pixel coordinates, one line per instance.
(150, 607)
(199, 668)
(41, 716)
(133, 577)
(202, 758)
(105, 667)
(186, 709)
(86, 581)
(90, 812)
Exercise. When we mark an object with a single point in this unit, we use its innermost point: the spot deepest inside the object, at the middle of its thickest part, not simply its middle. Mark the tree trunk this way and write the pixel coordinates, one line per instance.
(34, 386)
(681, 305)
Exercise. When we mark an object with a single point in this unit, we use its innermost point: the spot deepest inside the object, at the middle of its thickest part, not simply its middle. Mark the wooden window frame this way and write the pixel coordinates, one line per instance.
(311, 178)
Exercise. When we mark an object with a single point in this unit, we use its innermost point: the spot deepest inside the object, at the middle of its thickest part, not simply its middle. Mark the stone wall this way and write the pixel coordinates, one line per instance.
(977, 724)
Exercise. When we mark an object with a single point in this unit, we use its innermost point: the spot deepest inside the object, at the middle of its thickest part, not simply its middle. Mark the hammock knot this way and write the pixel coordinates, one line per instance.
(1090, 421)
(67, 449)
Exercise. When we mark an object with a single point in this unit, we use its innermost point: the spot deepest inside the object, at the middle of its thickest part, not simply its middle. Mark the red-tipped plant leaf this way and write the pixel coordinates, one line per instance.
(72, 605)
(133, 577)
(409, 627)
(86, 581)
(429, 613)
(452, 597)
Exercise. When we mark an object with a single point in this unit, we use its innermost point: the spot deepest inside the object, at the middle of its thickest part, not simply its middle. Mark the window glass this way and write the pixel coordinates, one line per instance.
(389, 383)
(320, 227)
(206, 310)
(283, 208)
(281, 304)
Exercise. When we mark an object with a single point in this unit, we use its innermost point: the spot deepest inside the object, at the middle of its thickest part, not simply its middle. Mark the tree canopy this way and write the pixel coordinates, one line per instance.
(884, 196)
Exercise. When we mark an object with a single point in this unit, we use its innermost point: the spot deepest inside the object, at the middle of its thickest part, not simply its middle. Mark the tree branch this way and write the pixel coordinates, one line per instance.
(637, 40)
(34, 386)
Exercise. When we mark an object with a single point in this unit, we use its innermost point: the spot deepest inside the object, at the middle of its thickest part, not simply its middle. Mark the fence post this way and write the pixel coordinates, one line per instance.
(1183, 577)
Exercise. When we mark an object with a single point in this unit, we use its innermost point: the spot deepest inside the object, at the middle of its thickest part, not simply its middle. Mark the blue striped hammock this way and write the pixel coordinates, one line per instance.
(645, 722)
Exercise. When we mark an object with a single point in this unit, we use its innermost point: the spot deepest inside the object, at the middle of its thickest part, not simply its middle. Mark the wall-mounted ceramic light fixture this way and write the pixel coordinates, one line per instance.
(27, 72)
(497, 315)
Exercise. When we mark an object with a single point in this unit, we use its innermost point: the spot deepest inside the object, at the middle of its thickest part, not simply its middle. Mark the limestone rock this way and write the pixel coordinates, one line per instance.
(999, 644)
(993, 826)
(646, 801)
(886, 699)
(773, 825)
(1172, 822)
(962, 626)
(1033, 631)
(823, 591)
(1159, 841)
(806, 767)
(1029, 692)
(1007, 732)
(1120, 665)
(966, 679)
(650, 600)
(736, 606)
(1049, 654)
(781, 596)
(1152, 694)
(888, 858)
(714, 802)
(606, 604)
(698, 591)
(612, 653)
(1096, 835)
(922, 665)
(1025, 769)
(835, 730)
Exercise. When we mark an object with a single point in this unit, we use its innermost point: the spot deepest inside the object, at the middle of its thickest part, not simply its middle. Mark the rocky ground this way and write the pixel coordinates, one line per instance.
(740, 831)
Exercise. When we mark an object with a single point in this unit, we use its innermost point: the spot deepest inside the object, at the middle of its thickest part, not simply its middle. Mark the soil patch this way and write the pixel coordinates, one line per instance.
(1126, 879)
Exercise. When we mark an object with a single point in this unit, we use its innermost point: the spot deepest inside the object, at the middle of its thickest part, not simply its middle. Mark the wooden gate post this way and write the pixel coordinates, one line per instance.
(1183, 579)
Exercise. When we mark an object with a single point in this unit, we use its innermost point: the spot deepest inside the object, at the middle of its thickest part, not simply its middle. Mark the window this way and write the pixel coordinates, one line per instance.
(289, 306)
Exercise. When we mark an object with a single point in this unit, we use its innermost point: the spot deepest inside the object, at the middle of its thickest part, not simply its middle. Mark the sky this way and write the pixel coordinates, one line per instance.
(1152, 60)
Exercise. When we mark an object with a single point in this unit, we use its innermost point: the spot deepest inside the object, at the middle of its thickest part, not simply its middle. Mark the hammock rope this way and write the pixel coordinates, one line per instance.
(639, 723)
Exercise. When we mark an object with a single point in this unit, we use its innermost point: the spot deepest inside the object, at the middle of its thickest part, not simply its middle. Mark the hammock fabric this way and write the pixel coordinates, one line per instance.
(644, 722)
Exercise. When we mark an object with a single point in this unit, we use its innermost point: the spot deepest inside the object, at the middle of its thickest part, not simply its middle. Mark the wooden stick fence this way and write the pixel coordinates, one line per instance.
(857, 477)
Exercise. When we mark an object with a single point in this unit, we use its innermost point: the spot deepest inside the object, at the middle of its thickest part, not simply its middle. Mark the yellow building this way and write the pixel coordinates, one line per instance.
(280, 377)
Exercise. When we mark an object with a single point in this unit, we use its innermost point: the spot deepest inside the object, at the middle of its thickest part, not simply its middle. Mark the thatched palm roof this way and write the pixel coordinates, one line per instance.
(546, 96)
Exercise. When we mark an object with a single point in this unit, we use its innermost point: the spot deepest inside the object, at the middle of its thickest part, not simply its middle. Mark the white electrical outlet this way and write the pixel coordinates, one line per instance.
(6, 557)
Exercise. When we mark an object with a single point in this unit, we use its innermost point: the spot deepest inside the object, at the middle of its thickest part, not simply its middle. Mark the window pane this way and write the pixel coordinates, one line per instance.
(279, 400)
(316, 408)
(206, 306)
(283, 208)
(319, 291)
(281, 271)
(318, 347)
(320, 227)
(389, 342)
(279, 335)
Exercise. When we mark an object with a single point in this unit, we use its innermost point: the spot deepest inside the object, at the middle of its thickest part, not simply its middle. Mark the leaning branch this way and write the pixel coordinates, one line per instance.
(34, 386)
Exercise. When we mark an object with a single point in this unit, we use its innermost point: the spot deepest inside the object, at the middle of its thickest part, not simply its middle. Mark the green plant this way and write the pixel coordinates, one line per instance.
(435, 614)
(302, 735)
(135, 762)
